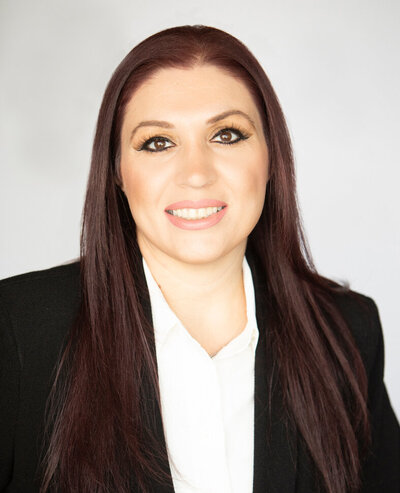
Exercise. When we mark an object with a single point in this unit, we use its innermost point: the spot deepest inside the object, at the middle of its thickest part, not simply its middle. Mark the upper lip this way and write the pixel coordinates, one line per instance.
(196, 204)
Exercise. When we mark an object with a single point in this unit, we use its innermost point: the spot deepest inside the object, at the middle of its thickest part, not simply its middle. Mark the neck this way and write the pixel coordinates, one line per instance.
(208, 298)
(197, 280)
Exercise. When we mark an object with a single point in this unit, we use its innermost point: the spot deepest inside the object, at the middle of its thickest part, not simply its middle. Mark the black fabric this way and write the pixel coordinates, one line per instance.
(36, 312)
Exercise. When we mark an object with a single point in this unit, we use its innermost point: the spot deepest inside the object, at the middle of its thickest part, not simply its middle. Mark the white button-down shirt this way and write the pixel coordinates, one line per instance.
(207, 402)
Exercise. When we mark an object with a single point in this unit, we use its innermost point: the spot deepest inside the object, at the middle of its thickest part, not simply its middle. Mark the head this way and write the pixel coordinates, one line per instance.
(187, 76)
(192, 142)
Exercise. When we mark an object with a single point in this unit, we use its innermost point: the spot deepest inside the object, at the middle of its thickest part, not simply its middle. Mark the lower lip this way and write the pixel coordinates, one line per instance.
(192, 224)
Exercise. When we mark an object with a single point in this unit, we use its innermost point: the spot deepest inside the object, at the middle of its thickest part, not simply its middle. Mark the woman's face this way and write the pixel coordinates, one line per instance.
(194, 164)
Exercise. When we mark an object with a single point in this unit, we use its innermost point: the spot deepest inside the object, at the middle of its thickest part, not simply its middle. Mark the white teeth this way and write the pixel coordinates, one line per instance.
(193, 214)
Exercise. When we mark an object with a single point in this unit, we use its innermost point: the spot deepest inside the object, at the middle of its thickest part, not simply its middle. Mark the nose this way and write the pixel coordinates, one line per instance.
(196, 167)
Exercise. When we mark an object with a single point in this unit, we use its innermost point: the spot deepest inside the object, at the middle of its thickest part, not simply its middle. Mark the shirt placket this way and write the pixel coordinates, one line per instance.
(197, 453)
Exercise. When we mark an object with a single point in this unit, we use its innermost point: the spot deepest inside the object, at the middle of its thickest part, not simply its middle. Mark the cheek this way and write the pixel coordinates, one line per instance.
(143, 186)
(134, 186)
(256, 183)
(254, 178)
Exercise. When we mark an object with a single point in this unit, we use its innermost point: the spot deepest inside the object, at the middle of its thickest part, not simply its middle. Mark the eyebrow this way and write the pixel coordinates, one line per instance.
(214, 119)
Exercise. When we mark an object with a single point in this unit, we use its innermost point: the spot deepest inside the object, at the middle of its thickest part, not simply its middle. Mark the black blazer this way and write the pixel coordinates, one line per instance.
(36, 312)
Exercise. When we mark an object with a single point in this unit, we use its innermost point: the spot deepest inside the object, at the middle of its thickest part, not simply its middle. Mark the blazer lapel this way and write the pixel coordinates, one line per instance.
(275, 448)
(144, 298)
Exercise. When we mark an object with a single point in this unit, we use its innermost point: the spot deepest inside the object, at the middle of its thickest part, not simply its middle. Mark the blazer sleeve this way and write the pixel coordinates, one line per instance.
(9, 396)
(381, 471)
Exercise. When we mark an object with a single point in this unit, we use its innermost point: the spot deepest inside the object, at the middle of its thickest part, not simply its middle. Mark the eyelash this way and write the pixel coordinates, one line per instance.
(242, 135)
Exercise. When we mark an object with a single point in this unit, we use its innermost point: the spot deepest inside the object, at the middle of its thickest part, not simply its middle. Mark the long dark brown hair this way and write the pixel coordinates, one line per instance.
(103, 403)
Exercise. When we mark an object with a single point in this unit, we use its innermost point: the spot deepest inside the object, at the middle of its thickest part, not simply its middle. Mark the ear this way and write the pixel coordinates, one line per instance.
(118, 182)
(120, 186)
(117, 173)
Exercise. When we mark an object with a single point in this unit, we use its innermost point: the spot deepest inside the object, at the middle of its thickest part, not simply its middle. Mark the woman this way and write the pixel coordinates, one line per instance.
(195, 347)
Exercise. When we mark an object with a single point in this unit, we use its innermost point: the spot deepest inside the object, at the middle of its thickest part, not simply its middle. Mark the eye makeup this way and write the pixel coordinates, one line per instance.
(155, 140)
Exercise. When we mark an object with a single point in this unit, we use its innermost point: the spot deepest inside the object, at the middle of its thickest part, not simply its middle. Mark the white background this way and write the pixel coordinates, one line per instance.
(335, 67)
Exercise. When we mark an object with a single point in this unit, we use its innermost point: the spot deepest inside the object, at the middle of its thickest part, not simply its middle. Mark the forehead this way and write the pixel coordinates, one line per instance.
(204, 89)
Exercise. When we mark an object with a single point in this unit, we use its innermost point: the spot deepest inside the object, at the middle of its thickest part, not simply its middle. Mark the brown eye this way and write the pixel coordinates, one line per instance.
(229, 136)
(159, 144)
(226, 136)
(156, 144)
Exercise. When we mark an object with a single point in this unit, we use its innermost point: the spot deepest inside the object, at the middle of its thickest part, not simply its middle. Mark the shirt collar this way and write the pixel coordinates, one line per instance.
(164, 319)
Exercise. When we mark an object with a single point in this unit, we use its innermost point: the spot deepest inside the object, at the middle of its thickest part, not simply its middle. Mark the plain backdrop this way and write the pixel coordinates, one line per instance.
(335, 66)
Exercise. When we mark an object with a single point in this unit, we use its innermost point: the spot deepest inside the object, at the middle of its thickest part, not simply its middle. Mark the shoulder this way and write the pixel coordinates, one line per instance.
(38, 308)
(358, 311)
(41, 290)
(27, 284)
(362, 318)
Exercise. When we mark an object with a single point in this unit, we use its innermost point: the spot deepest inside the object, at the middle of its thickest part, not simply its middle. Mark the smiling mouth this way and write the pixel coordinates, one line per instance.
(194, 214)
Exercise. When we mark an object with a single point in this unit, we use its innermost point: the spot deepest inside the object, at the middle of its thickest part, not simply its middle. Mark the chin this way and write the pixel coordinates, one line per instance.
(196, 257)
(202, 253)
